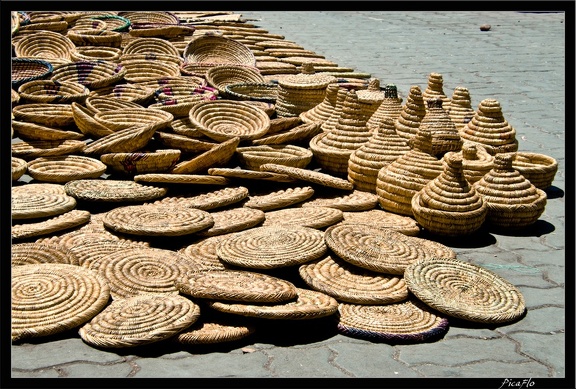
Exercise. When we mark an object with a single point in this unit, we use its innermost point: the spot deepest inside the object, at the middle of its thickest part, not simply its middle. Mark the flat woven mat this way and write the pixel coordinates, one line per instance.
(89, 250)
(208, 200)
(36, 253)
(409, 321)
(272, 247)
(313, 217)
(233, 220)
(40, 187)
(215, 331)
(381, 250)
(309, 305)
(157, 220)
(65, 221)
(50, 298)
(279, 199)
(464, 290)
(348, 202)
(140, 320)
(309, 176)
(237, 286)
(384, 219)
(190, 179)
(38, 205)
(203, 253)
(246, 174)
(113, 190)
(352, 284)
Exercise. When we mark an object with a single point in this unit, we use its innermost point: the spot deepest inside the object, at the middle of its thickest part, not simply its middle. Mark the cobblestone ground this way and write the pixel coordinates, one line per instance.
(521, 63)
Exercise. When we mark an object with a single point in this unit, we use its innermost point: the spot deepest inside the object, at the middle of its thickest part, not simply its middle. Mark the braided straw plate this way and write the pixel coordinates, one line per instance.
(184, 143)
(351, 202)
(215, 331)
(61, 169)
(37, 253)
(309, 304)
(126, 118)
(50, 298)
(272, 247)
(218, 155)
(352, 284)
(38, 205)
(40, 187)
(383, 219)
(407, 322)
(35, 149)
(19, 167)
(189, 179)
(142, 162)
(252, 157)
(32, 132)
(45, 114)
(157, 220)
(237, 285)
(112, 190)
(91, 74)
(279, 199)
(66, 221)
(233, 220)
(464, 290)
(313, 217)
(203, 253)
(152, 319)
(309, 176)
(209, 200)
(243, 174)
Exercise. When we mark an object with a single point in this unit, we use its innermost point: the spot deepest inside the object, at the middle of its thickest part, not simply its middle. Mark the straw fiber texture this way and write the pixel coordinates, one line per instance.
(171, 178)
(29, 69)
(218, 50)
(94, 38)
(223, 75)
(435, 90)
(313, 217)
(252, 157)
(45, 114)
(112, 190)
(67, 220)
(37, 205)
(142, 162)
(302, 133)
(391, 107)
(412, 114)
(19, 167)
(91, 74)
(208, 200)
(84, 120)
(185, 143)
(312, 176)
(476, 161)
(126, 118)
(244, 174)
(45, 45)
(31, 132)
(539, 169)
(96, 53)
(203, 253)
(127, 92)
(461, 111)
(257, 91)
(352, 202)
(218, 155)
(233, 220)
(41, 187)
(36, 149)
(279, 199)
(213, 332)
(445, 136)
(127, 140)
(50, 91)
(37, 253)
(61, 169)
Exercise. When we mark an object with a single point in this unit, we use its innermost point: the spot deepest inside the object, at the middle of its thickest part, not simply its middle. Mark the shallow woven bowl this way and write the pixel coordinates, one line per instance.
(97, 104)
(537, 168)
(256, 91)
(144, 162)
(128, 92)
(198, 69)
(50, 91)
(19, 167)
(45, 114)
(252, 157)
(114, 22)
(150, 17)
(29, 69)
(61, 169)
(150, 45)
(95, 38)
(45, 45)
(140, 70)
(217, 49)
(92, 74)
(95, 53)
(125, 118)
(222, 120)
(221, 76)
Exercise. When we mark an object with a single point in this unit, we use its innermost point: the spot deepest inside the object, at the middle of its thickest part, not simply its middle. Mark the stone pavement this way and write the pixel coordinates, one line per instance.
(521, 63)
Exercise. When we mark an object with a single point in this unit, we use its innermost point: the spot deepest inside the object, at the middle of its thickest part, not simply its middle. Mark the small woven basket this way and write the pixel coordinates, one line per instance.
(253, 157)
(47, 45)
(218, 49)
(140, 70)
(96, 53)
(61, 169)
(133, 93)
(150, 17)
(113, 22)
(142, 162)
(255, 91)
(129, 117)
(50, 91)
(92, 74)
(47, 114)
(123, 141)
(29, 69)
(150, 45)
(538, 168)
(95, 38)
(19, 167)
(221, 76)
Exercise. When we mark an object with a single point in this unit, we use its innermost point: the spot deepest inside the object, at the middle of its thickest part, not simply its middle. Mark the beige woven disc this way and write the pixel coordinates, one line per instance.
(37, 205)
(309, 305)
(36, 253)
(384, 219)
(67, 220)
(41, 187)
(464, 290)
(309, 176)
(272, 247)
(35, 149)
(90, 250)
(409, 321)
(169, 178)
(236, 285)
(352, 284)
(203, 253)
(313, 217)
(233, 220)
(61, 169)
(381, 250)
(209, 200)
(212, 332)
(279, 199)
(352, 202)
(113, 190)
(157, 220)
(245, 174)
(140, 320)
(50, 298)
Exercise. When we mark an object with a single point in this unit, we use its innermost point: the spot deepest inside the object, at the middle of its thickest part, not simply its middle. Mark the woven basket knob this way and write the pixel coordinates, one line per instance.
(469, 151)
(453, 160)
(503, 161)
(308, 68)
(391, 91)
(374, 84)
(434, 103)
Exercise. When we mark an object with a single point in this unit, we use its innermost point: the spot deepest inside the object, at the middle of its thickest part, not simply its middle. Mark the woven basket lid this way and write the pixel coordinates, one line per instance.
(309, 305)
(137, 271)
(268, 201)
(245, 174)
(413, 112)
(189, 179)
(237, 286)
(272, 247)
(383, 219)
(39, 187)
(352, 202)
(461, 111)
(312, 176)
(214, 331)
(512, 200)
(37, 253)
(65, 221)
(50, 298)
(405, 322)
(539, 169)
(435, 89)
(445, 135)
(218, 50)
(382, 250)
(40, 205)
(157, 220)
(352, 284)
(45, 114)
(35, 149)
(208, 200)
(152, 319)
(203, 253)
(29, 69)
(19, 167)
(112, 190)
(62, 169)
(464, 290)
(184, 143)
(321, 112)
(313, 217)
(476, 161)
(216, 156)
(233, 220)
(301, 133)
(123, 141)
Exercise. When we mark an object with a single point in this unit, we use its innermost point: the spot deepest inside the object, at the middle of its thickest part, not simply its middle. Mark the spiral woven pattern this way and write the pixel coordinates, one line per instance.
(352, 284)
(65, 221)
(252, 157)
(313, 217)
(353, 202)
(29, 69)
(45, 45)
(406, 322)
(61, 169)
(321, 112)
(435, 90)
(50, 298)
(94, 37)
(412, 114)
(39, 187)
(37, 253)
(19, 167)
(91, 74)
(36, 205)
(383, 219)
(112, 190)
(45, 114)
(125, 118)
(36, 149)
(209, 200)
(96, 53)
(90, 247)
(391, 107)
(461, 111)
(464, 290)
(203, 253)
(150, 45)
(213, 332)
(127, 140)
(309, 304)
(218, 50)
(476, 161)
(279, 199)
(142, 162)
(152, 319)
(140, 70)
(233, 220)
(272, 247)
(221, 76)
(312, 176)
(539, 169)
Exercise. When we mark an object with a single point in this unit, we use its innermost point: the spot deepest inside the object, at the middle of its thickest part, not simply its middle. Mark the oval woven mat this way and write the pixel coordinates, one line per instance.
(209, 200)
(351, 202)
(384, 219)
(313, 217)
(112, 190)
(309, 176)
(233, 220)
(214, 331)
(279, 199)
(65, 221)
(37, 205)
(36, 253)
(245, 174)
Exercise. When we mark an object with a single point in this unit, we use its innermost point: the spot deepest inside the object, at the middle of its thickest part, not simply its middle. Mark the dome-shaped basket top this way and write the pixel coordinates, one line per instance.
(218, 49)
(306, 79)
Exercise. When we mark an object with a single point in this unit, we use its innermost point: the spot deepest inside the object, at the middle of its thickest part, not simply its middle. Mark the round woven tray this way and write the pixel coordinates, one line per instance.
(127, 140)
(91, 37)
(29, 69)
(233, 220)
(309, 305)
(50, 298)
(61, 169)
(238, 286)
(142, 162)
(45, 45)
(269, 201)
(218, 49)
(37, 253)
(354, 202)
(383, 219)
(150, 45)
(189, 179)
(152, 319)
(313, 217)
(157, 220)
(406, 322)
(35, 132)
(216, 156)
(243, 174)
(112, 190)
(19, 167)
(45, 114)
(35, 149)
(91, 74)
(203, 253)
(215, 331)
(89, 248)
(96, 53)
(257, 91)
(252, 157)
(301, 133)
(464, 290)
(129, 117)
(272, 247)
(39, 187)
(223, 75)
(309, 176)
(66, 221)
(210, 200)
(38, 205)
(539, 169)
(352, 284)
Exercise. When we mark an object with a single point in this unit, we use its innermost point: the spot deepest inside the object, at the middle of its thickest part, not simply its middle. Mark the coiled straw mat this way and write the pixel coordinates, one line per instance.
(112, 190)
(214, 331)
(61, 169)
(464, 290)
(152, 319)
(356, 201)
(238, 286)
(203, 253)
(38, 205)
(301, 133)
(157, 220)
(383, 219)
(313, 217)
(35, 149)
(381, 250)
(244, 174)
(233, 220)
(37, 253)
(127, 140)
(208, 200)
(67, 220)
(272, 247)
(19, 167)
(312, 176)
(405, 322)
(218, 155)
(189, 179)
(42, 187)
(309, 305)
(352, 284)
(279, 199)
(50, 298)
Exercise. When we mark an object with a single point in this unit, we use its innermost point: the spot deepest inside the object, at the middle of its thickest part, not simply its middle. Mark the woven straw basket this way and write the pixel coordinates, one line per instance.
(95, 38)
(45, 45)
(49, 91)
(96, 53)
(538, 168)
(92, 74)
(29, 69)
(142, 162)
(223, 75)
(218, 49)
(252, 157)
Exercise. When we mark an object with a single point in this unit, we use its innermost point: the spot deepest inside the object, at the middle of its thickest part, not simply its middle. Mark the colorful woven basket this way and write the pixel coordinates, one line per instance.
(29, 69)
(92, 74)
(50, 91)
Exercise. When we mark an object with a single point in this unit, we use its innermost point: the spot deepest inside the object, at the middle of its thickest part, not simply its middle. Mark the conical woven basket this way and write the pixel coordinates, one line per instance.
(390, 107)
(539, 169)
(336, 111)
(435, 89)
(412, 113)
(461, 111)
(321, 112)
(445, 136)
(91, 74)
(476, 161)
